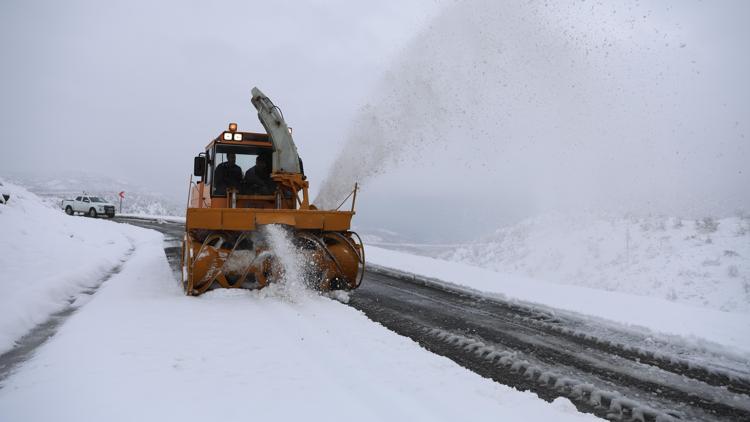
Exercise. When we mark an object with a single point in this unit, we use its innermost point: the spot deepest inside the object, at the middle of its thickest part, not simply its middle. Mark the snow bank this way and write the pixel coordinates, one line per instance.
(155, 217)
(47, 257)
(695, 324)
(704, 262)
(141, 350)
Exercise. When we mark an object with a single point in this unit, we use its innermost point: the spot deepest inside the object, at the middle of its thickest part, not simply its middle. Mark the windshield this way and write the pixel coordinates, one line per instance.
(235, 175)
(96, 199)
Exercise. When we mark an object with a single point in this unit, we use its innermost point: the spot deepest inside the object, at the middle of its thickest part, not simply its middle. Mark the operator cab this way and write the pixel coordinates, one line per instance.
(223, 181)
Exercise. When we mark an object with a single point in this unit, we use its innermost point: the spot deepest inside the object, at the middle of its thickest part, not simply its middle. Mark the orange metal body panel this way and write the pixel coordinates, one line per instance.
(245, 219)
(309, 221)
(243, 201)
(236, 219)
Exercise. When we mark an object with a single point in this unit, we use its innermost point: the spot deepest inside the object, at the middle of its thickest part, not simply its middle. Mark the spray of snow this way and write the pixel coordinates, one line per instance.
(575, 105)
(296, 269)
(293, 267)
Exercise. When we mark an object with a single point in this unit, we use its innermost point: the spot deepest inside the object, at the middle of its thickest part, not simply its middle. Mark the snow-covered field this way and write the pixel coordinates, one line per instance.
(698, 262)
(140, 350)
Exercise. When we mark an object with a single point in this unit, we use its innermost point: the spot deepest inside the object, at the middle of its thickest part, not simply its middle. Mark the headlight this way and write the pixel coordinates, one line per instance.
(227, 136)
(237, 136)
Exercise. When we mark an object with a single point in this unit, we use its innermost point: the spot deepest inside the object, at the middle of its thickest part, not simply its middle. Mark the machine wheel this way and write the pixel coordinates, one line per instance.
(69, 210)
(92, 213)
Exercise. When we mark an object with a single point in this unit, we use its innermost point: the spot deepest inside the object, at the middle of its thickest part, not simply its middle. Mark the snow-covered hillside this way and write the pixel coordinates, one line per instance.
(390, 239)
(704, 262)
(68, 185)
(47, 258)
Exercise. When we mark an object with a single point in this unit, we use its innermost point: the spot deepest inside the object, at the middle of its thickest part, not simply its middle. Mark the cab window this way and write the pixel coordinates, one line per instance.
(224, 175)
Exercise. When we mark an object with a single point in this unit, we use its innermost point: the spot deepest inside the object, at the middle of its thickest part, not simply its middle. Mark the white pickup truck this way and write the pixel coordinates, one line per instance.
(92, 206)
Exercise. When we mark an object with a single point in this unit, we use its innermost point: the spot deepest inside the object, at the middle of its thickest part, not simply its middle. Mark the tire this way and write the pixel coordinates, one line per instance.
(92, 213)
(69, 210)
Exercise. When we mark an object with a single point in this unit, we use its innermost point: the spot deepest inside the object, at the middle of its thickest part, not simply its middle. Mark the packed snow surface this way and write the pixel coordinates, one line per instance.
(154, 217)
(141, 350)
(47, 257)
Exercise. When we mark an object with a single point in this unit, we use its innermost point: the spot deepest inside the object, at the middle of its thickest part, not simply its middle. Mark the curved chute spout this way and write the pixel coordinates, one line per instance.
(285, 156)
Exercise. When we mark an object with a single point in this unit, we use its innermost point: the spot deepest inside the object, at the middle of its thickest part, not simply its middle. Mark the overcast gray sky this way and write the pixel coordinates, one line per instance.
(504, 110)
(457, 117)
(135, 89)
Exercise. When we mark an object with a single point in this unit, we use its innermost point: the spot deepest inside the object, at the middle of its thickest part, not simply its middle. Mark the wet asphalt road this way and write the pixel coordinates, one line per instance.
(603, 370)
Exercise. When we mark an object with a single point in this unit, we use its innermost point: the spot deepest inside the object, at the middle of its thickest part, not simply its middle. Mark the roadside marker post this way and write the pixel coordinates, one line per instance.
(121, 195)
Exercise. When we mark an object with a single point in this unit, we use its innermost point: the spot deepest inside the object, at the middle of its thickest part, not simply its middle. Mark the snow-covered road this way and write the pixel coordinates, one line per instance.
(603, 370)
(285, 352)
(140, 350)
(599, 366)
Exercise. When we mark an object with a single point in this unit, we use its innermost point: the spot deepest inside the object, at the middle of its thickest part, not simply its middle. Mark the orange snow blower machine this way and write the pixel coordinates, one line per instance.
(251, 180)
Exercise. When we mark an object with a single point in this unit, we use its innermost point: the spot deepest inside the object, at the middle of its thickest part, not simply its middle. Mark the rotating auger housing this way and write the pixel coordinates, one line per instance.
(251, 180)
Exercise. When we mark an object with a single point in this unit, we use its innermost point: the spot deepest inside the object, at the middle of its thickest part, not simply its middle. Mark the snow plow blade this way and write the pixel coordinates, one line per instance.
(225, 244)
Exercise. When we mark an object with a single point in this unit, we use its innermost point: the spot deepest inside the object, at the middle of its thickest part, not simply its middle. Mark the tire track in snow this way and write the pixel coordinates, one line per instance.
(495, 339)
(37, 336)
(629, 345)
(544, 351)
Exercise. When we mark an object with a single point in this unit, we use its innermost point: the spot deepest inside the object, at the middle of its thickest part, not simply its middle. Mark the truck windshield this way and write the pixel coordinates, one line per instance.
(226, 174)
(96, 199)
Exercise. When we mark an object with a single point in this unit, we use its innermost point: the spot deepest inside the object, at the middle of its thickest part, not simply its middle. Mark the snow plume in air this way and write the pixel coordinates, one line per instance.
(292, 265)
(383, 130)
(544, 106)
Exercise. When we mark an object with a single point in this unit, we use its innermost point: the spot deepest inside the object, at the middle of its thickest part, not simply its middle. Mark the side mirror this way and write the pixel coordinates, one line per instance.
(199, 166)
